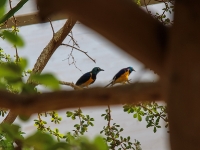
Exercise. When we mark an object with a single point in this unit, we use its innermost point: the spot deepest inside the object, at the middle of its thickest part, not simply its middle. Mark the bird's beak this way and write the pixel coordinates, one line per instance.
(101, 69)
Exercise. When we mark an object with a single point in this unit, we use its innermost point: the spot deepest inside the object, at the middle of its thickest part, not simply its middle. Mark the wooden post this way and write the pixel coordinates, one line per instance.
(183, 76)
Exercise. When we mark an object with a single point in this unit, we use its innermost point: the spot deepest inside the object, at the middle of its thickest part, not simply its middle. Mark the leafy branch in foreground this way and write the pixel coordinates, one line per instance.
(84, 122)
(43, 141)
(151, 111)
(55, 118)
(113, 137)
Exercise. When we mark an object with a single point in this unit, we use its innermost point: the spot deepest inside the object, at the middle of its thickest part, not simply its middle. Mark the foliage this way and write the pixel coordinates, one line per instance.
(13, 73)
(12, 133)
(113, 138)
(168, 8)
(84, 122)
(151, 111)
(138, 2)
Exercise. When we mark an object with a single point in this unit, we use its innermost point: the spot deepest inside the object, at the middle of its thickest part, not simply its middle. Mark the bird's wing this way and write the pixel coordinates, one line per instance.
(94, 78)
(84, 78)
(121, 72)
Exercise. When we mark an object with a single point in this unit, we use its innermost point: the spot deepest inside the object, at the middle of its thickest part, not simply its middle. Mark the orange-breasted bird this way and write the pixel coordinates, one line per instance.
(89, 77)
(121, 76)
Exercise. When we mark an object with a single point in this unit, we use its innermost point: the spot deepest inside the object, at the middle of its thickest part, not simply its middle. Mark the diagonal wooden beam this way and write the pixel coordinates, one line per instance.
(29, 19)
(32, 18)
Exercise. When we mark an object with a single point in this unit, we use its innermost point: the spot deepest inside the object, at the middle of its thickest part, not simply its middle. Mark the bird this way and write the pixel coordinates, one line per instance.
(88, 78)
(121, 76)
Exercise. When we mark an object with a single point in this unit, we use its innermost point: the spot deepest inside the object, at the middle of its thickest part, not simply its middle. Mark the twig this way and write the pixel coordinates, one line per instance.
(15, 26)
(71, 85)
(153, 112)
(51, 26)
(109, 116)
(80, 51)
(72, 38)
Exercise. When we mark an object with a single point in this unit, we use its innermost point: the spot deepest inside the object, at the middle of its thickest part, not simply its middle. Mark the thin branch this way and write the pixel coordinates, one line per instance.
(71, 85)
(72, 38)
(73, 59)
(80, 51)
(157, 114)
(51, 26)
(15, 26)
(109, 116)
(29, 104)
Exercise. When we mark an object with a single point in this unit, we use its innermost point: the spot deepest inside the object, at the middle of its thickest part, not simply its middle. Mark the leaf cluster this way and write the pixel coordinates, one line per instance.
(151, 111)
(113, 137)
(84, 121)
(10, 134)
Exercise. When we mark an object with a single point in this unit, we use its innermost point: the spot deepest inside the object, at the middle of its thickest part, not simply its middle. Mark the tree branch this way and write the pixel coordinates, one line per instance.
(29, 104)
(79, 51)
(52, 46)
(71, 84)
(44, 57)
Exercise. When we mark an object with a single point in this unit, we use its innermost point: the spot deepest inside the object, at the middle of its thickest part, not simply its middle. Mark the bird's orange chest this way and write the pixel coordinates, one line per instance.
(88, 82)
(123, 78)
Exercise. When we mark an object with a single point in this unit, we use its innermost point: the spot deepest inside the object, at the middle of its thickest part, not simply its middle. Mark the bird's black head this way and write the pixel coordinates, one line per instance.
(131, 69)
(96, 70)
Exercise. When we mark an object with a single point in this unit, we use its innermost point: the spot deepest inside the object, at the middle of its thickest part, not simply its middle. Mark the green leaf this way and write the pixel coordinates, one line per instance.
(13, 38)
(147, 118)
(40, 141)
(154, 129)
(158, 126)
(10, 70)
(139, 117)
(12, 131)
(60, 146)
(100, 143)
(2, 7)
(91, 119)
(46, 79)
(135, 115)
(23, 64)
(69, 113)
(24, 118)
(12, 11)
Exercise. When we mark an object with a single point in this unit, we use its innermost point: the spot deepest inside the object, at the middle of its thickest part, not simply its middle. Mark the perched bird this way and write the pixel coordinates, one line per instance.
(89, 77)
(121, 76)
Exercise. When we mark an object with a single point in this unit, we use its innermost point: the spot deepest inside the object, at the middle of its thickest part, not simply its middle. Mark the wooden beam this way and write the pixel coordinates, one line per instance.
(29, 19)
(32, 18)
(183, 73)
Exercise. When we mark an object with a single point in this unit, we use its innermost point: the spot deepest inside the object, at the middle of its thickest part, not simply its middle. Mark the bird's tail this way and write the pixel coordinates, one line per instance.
(111, 83)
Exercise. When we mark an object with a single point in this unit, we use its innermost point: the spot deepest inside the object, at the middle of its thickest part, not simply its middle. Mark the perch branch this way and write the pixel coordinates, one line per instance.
(70, 84)
(29, 104)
